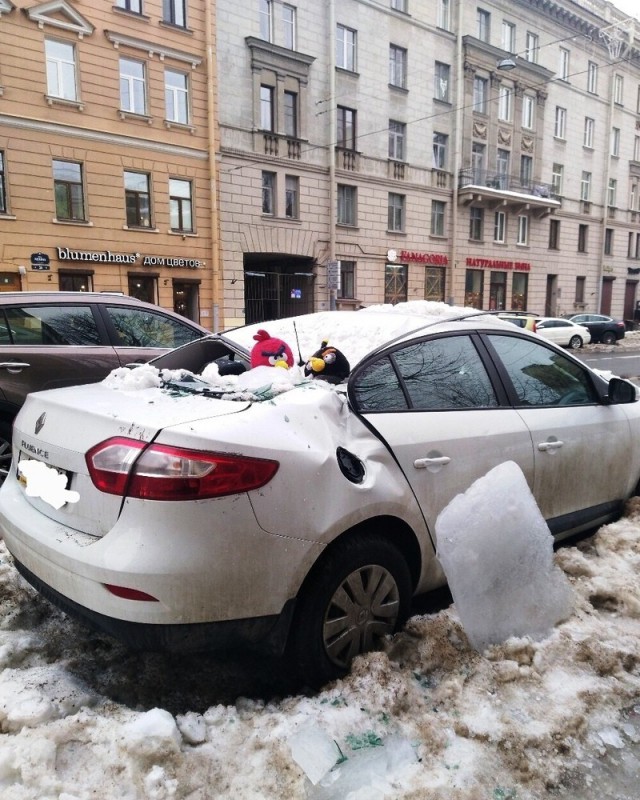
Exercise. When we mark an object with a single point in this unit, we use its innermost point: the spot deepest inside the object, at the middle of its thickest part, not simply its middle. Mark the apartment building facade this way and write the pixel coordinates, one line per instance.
(107, 150)
(482, 153)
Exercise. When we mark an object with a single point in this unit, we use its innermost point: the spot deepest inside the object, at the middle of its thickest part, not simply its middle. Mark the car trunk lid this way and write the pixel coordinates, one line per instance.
(57, 428)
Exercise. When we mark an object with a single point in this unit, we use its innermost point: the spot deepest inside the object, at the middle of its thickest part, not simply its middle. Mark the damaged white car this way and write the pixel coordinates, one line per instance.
(197, 502)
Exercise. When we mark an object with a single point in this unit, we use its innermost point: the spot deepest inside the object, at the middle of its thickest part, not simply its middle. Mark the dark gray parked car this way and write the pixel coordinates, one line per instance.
(52, 339)
(602, 328)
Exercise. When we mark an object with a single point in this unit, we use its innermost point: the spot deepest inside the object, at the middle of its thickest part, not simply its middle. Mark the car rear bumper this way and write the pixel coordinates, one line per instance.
(265, 633)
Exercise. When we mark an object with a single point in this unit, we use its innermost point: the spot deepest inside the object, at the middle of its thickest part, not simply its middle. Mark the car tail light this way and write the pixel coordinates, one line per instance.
(130, 468)
(534, 327)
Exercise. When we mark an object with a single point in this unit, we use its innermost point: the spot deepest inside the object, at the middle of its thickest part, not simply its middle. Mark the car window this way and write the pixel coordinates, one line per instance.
(443, 373)
(141, 328)
(540, 376)
(52, 325)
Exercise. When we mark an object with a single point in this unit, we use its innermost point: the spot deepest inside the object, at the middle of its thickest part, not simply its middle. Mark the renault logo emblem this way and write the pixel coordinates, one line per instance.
(40, 422)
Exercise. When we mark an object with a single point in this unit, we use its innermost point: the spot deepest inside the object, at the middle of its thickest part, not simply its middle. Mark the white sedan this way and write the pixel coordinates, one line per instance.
(563, 332)
(194, 503)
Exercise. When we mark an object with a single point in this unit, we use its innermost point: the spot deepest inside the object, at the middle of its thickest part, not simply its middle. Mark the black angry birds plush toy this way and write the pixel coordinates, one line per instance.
(328, 364)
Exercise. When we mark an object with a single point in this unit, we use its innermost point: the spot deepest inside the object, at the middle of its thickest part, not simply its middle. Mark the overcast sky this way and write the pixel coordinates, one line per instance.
(631, 7)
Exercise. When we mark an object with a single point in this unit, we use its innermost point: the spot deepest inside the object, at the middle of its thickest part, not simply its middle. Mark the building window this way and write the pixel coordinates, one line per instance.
(589, 127)
(269, 193)
(480, 94)
(473, 295)
(633, 197)
(583, 232)
(346, 128)
(137, 199)
(3, 185)
(75, 281)
(615, 141)
(612, 193)
(69, 191)
(554, 234)
(580, 284)
(267, 117)
(176, 92)
(397, 66)
(476, 224)
(399, 5)
(523, 230)
(484, 24)
(526, 171)
(180, 205)
(347, 196)
(557, 179)
(503, 158)
(500, 227)
(266, 22)
(592, 78)
(528, 111)
(560, 127)
(61, 70)
(134, 6)
(347, 289)
(292, 197)
(532, 46)
(441, 82)
(289, 25)
(585, 186)
(636, 148)
(444, 14)
(396, 212)
(519, 291)
(564, 64)
(290, 114)
(437, 217)
(440, 141)
(434, 283)
(397, 133)
(618, 90)
(508, 36)
(505, 103)
(346, 48)
(478, 163)
(608, 242)
(174, 12)
(395, 283)
(133, 98)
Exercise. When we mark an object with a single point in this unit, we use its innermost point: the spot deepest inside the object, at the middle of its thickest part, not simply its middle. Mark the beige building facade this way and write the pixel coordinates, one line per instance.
(107, 150)
(483, 153)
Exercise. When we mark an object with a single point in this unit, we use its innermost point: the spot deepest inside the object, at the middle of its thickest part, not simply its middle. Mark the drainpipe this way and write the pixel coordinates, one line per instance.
(605, 204)
(458, 138)
(212, 121)
(333, 132)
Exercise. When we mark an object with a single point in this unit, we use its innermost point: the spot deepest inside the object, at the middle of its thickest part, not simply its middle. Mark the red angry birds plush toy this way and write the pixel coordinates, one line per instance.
(270, 352)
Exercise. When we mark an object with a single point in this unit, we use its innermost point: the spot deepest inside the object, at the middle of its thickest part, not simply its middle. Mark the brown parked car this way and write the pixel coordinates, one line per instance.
(52, 339)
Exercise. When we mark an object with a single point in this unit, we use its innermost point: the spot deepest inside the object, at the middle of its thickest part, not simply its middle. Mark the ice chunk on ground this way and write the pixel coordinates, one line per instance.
(497, 553)
(314, 752)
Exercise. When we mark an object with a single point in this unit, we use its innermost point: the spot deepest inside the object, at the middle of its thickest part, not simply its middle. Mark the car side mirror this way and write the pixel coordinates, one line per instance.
(621, 391)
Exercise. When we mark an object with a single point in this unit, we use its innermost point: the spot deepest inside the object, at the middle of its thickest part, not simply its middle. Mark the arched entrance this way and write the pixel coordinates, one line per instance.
(277, 286)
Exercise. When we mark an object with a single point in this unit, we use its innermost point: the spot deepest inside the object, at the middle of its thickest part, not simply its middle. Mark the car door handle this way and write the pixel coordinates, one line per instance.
(550, 446)
(17, 365)
(424, 463)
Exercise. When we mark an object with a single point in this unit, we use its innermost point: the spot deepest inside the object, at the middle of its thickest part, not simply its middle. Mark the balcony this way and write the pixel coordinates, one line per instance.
(493, 190)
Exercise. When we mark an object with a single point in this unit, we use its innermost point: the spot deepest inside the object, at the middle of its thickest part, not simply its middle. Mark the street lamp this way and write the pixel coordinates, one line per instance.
(506, 64)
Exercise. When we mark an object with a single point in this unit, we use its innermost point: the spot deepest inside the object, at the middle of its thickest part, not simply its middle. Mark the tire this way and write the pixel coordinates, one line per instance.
(575, 343)
(608, 337)
(5, 449)
(359, 592)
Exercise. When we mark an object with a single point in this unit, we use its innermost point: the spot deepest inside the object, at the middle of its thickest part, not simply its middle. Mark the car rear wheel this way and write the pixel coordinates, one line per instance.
(5, 449)
(575, 343)
(360, 593)
(608, 337)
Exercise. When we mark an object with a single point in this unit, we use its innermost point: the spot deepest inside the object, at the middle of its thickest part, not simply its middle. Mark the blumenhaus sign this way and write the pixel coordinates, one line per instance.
(109, 257)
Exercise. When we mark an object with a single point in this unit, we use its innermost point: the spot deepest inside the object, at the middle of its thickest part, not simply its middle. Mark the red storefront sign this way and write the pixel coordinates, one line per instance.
(497, 263)
(435, 259)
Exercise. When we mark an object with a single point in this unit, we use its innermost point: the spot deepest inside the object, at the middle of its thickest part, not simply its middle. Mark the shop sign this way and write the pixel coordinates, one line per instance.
(498, 263)
(433, 259)
(109, 257)
(607, 268)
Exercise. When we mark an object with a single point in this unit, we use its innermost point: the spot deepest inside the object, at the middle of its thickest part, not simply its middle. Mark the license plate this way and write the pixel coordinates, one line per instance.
(47, 483)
